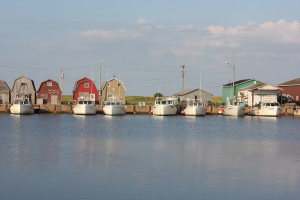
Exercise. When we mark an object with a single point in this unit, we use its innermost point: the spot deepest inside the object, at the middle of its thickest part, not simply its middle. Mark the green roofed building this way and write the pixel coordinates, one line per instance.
(228, 92)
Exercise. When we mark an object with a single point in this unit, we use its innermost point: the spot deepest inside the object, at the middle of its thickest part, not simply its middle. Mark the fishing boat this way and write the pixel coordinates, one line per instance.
(271, 109)
(21, 106)
(114, 107)
(236, 109)
(195, 108)
(165, 106)
(85, 107)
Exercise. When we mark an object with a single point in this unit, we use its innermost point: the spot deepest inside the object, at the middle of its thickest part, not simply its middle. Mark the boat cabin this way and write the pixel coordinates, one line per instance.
(85, 102)
(18, 101)
(113, 103)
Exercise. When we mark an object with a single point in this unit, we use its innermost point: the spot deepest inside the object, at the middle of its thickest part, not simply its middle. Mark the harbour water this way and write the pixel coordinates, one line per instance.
(146, 157)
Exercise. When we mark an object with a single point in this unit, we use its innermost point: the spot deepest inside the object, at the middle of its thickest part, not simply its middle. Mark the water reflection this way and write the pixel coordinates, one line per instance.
(211, 157)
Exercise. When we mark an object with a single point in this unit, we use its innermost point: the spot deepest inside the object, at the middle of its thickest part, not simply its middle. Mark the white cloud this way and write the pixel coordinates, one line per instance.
(142, 21)
(278, 32)
(108, 34)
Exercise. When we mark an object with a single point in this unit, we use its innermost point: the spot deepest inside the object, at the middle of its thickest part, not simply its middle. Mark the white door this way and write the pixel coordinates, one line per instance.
(54, 99)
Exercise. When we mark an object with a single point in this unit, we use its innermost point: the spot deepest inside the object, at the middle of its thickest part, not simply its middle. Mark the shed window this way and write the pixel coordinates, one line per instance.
(49, 83)
(44, 96)
(86, 85)
(119, 84)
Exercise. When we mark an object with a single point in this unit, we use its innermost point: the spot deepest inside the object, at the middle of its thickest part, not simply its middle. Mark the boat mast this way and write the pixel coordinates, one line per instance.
(100, 81)
(182, 71)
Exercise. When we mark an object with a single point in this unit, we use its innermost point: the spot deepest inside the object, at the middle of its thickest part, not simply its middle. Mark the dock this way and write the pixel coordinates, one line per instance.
(130, 109)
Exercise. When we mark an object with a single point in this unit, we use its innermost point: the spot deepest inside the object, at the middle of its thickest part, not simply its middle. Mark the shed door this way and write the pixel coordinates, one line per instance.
(54, 99)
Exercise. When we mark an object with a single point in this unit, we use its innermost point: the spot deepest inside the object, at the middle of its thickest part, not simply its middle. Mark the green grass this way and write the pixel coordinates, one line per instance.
(217, 100)
(67, 98)
(134, 100)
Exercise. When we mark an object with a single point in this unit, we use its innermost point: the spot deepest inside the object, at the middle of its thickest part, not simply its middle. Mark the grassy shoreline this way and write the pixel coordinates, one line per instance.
(134, 100)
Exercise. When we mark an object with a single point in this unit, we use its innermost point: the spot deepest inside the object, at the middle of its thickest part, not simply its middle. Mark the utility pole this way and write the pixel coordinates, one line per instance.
(182, 71)
(60, 81)
(100, 81)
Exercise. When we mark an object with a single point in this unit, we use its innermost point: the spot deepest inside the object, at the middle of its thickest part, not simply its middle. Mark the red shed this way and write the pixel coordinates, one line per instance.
(85, 89)
(291, 88)
(49, 93)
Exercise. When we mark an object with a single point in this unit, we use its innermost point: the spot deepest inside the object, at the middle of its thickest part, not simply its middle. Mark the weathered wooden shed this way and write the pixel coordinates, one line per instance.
(193, 94)
(4, 93)
(85, 89)
(24, 87)
(49, 93)
(113, 89)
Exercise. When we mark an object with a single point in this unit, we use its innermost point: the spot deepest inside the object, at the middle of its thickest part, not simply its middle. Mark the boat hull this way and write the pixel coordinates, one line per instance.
(234, 110)
(85, 109)
(195, 111)
(273, 111)
(114, 110)
(163, 110)
(21, 109)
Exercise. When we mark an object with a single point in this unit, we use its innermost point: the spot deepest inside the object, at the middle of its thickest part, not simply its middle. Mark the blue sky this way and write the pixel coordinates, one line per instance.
(144, 43)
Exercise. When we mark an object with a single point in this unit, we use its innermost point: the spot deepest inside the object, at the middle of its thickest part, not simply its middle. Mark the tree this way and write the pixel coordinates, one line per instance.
(157, 94)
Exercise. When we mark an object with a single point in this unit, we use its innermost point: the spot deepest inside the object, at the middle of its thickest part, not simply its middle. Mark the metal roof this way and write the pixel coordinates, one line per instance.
(291, 82)
(188, 91)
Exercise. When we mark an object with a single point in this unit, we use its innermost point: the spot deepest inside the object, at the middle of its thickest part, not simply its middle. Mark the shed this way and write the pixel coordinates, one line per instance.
(228, 92)
(24, 87)
(4, 93)
(193, 94)
(113, 89)
(254, 94)
(291, 88)
(85, 89)
(49, 93)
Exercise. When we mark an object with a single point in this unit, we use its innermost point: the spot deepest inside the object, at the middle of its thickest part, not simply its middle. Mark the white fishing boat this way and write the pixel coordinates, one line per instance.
(21, 106)
(114, 107)
(194, 108)
(234, 108)
(85, 107)
(237, 109)
(165, 106)
(272, 109)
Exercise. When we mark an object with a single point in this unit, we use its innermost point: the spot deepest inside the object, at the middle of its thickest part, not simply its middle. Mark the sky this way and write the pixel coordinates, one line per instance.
(145, 43)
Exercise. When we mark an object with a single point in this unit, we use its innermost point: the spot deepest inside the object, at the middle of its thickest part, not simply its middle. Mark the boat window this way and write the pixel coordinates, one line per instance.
(163, 102)
(26, 101)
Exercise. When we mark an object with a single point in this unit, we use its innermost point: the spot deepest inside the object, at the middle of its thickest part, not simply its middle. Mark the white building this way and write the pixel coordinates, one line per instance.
(253, 94)
(193, 94)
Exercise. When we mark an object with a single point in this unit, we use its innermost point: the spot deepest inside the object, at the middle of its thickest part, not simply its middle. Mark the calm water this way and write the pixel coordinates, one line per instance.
(51, 157)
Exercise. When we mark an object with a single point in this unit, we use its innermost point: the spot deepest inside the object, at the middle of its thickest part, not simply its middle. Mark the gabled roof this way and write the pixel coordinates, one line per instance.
(32, 82)
(104, 84)
(188, 91)
(3, 85)
(46, 82)
(259, 86)
(238, 82)
(81, 81)
(291, 82)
